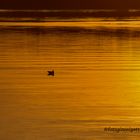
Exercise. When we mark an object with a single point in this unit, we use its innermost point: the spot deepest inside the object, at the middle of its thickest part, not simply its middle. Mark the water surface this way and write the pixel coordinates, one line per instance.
(96, 83)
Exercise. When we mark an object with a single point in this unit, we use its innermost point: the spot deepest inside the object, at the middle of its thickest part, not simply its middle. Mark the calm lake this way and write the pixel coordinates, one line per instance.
(96, 84)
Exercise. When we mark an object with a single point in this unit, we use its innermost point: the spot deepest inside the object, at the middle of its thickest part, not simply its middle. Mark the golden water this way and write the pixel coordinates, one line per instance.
(96, 82)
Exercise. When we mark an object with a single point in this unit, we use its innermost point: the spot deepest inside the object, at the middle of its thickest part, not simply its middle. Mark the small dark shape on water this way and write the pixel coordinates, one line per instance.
(51, 73)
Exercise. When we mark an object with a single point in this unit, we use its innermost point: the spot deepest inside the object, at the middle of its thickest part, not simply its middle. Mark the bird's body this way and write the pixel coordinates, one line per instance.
(51, 73)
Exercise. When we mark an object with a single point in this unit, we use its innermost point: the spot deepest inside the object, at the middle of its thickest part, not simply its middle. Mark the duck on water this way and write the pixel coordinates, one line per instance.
(51, 73)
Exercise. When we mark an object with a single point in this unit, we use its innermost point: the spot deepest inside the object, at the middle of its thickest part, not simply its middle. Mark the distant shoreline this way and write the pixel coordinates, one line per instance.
(69, 13)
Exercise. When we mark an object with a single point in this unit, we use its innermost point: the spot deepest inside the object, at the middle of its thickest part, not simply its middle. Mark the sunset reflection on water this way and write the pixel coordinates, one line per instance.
(96, 82)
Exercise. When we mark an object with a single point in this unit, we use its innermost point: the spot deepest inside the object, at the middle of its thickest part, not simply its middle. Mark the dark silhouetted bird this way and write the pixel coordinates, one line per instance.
(51, 73)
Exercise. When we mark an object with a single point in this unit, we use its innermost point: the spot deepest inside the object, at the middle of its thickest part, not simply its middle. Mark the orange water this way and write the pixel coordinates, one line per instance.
(96, 82)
